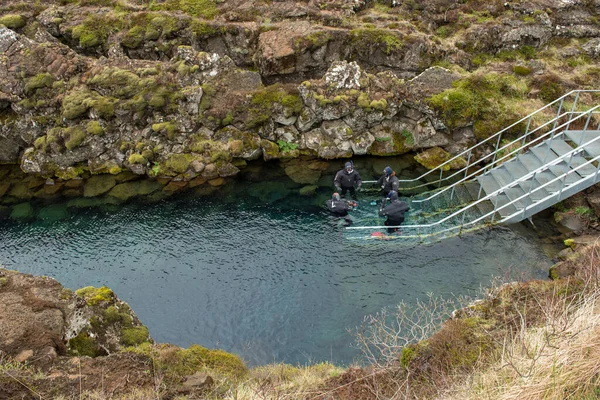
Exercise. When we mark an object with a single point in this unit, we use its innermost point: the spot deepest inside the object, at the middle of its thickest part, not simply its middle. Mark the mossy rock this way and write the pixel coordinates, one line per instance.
(301, 174)
(94, 296)
(22, 211)
(128, 190)
(98, 185)
(435, 156)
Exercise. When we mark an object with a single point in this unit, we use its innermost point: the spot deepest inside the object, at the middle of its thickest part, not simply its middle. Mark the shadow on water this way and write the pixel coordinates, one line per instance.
(254, 269)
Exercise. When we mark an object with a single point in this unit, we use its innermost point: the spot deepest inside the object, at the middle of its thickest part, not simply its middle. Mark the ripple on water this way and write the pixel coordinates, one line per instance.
(268, 283)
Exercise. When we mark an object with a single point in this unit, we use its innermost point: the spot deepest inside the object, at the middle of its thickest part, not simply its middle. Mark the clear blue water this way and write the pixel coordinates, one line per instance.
(270, 282)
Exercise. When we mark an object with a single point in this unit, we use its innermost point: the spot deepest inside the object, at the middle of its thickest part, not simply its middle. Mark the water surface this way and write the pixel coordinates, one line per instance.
(270, 282)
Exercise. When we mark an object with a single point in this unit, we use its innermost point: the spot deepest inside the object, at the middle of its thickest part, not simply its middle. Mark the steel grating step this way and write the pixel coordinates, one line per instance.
(583, 137)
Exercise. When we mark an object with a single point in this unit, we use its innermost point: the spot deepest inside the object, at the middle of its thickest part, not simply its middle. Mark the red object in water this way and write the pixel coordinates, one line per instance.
(377, 234)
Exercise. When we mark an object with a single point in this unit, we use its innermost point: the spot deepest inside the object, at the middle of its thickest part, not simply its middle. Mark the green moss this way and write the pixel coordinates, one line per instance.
(313, 40)
(94, 128)
(195, 357)
(179, 163)
(262, 102)
(552, 274)
(196, 8)
(12, 21)
(73, 137)
(481, 98)
(203, 29)
(3, 281)
(37, 82)
(569, 243)
(521, 70)
(94, 295)
(134, 336)
(365, 39)
(363, 101)
(137, 159)
(380, 105)
(84, 345)
(95, 29)
(169, 128)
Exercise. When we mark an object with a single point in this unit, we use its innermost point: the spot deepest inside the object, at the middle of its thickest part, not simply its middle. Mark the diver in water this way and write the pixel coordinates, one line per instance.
(388, 181)
(394, 211)
(339, 208)
(346, 179)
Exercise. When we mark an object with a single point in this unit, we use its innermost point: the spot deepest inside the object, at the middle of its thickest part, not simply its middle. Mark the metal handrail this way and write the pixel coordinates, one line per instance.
(496, 192)
(499, 133)
(499, 161)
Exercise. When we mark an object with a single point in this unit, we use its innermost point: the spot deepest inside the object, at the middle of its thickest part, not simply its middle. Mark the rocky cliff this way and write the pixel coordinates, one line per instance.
(194, 89)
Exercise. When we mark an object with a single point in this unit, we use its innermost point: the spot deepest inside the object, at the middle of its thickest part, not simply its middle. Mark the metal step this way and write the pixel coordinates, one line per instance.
(516, 169)
(545, 177)
(560, 147)
(544, 153)
(533, 196)
(530, 161)
(488, 183)
(502, 200)
(582, 137)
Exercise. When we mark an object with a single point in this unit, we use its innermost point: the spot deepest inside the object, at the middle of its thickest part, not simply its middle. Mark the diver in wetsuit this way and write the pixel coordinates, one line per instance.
(388, 181)
(345, 180)
(339, 208)
(394, 211)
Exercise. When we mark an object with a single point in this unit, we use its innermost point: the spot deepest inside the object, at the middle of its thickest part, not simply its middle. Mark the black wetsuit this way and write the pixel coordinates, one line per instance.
(387, 184)
(394, 211)
(339, 208)
(346, 180)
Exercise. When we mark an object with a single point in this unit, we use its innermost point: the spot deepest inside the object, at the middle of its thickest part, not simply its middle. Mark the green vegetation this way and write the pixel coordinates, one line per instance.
(521, 70)
(169, 128)
(12, 21)
(486, 99)
(39, 81)
(84, 345)
(73, 136)
(286, 147)
(365, 39)
(94, 296)
(262, 102)
(136, 158)
(95, 29)
(94, 128)
(196, 8)
(134, 336)
(313, 40)
(409, 139)
(179, 163)
(150, 26)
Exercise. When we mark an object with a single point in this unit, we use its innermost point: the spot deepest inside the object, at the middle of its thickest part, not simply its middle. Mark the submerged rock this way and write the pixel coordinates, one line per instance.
(22, 211)
(98, 185)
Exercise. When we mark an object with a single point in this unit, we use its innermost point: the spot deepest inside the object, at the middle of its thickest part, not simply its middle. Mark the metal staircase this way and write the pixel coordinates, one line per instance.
(506, 179)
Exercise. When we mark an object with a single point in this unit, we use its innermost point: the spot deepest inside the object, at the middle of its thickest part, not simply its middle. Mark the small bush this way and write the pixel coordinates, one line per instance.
(73, 136)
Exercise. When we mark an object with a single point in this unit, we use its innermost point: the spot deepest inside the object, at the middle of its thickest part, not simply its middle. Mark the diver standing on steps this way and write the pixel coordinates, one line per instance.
(346, 179)
(339, 208)
(394, 211)
(388, 181)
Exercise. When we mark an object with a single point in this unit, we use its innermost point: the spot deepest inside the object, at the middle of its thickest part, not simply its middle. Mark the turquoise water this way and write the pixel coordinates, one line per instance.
(276, 281)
